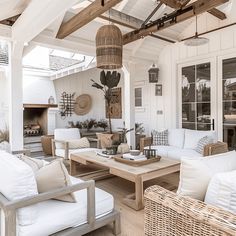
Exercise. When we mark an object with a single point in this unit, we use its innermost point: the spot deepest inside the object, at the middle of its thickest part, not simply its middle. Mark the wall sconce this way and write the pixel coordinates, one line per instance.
(153, 74)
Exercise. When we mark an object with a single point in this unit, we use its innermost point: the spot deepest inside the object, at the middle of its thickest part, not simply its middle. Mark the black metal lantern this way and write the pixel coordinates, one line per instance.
(153, 74)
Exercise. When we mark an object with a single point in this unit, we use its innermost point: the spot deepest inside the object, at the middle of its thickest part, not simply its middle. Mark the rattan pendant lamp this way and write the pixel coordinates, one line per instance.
(109, 46)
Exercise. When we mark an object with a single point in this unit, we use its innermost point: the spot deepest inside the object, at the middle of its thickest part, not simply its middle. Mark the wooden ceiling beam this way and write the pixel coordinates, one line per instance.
(172, 3)
(217, 13)
(180, 4)
(88, 14)
(187, 12)
(128, 21)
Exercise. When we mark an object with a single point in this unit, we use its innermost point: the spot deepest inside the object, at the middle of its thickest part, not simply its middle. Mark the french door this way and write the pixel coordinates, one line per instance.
(227, 92)
(197, 101)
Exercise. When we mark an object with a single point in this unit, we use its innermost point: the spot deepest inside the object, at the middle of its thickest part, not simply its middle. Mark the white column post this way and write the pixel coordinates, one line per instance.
(129, 108)
(16, 96)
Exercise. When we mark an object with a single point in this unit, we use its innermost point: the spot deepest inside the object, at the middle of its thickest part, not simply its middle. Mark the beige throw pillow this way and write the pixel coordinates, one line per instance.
(54, 176)
(195, 174)
(34, 163)
(79, 143)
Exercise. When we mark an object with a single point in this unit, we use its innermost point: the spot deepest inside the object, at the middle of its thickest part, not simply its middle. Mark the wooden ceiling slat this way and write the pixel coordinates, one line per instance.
(88, 14)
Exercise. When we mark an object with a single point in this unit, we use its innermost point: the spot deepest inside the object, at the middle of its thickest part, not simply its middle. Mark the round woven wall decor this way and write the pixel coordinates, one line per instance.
(109, 46)
(83, 104)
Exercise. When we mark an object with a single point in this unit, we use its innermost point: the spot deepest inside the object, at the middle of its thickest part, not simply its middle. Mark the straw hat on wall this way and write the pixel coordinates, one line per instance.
(83, 104)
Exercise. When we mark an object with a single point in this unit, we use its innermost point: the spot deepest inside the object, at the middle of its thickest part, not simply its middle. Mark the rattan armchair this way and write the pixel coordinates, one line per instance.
(167, 214)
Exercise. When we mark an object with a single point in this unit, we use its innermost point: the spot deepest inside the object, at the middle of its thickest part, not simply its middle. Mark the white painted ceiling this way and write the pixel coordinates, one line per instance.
(144, 48)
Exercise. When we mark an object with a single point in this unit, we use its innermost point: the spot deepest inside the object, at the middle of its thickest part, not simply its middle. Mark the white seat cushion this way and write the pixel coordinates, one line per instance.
(195, 174)
(193, 136)
(179, 153)
(65, 135)
(17, 181)
(176, 137)
(55, 215)
(162, 150)
(221, 191)
(61, 152)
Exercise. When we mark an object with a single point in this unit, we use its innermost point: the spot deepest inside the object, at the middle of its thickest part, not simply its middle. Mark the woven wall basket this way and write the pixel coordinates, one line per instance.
(109, 46)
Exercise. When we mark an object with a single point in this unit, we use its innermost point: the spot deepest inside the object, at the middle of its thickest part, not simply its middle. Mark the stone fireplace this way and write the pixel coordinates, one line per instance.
(39, 119)
(35, 121)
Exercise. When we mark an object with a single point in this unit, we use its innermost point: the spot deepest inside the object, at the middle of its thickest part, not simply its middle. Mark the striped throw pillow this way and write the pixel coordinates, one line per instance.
(160, 138)
(202, 143)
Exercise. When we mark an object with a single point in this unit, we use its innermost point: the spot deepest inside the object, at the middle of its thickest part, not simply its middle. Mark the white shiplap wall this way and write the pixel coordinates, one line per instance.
(222, 43)
(80, 83)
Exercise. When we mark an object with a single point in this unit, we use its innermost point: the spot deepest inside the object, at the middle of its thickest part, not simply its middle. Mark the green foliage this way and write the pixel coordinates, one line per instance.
(4, 135)
(108, 81)
(102, 124)
(139, 129)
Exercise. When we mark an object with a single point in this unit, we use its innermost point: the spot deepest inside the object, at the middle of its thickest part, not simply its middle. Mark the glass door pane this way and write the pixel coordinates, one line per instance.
(229, 102)
(196, 97)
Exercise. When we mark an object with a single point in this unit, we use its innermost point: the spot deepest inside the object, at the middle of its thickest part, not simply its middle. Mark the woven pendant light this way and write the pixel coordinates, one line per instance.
(109, 46)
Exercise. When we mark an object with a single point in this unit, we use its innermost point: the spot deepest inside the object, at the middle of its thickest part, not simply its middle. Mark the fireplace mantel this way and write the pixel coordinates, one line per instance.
(28, 105)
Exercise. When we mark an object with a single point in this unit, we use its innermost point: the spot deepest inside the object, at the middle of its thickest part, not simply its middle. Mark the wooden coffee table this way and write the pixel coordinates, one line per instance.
(138, 175)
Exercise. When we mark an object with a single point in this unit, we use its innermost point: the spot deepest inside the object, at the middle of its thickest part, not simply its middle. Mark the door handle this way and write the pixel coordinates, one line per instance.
(213, 124)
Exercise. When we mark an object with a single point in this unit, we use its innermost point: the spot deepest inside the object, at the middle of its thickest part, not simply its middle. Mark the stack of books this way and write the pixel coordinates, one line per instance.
(140, 157)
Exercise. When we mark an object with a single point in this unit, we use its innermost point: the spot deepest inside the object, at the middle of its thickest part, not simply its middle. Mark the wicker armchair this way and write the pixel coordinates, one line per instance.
(167, 214)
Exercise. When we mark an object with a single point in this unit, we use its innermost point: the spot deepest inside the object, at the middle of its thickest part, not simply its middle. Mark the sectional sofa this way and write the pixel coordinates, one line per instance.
(183, 142)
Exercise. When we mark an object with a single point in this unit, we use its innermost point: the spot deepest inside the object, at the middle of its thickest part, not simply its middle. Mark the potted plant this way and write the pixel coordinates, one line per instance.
(4, 140)
(102, 124)
(89, 124)
(109, 80)
(123, 147)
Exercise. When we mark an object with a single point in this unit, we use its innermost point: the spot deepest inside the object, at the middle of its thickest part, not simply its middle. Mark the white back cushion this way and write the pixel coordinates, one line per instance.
(17, 181)
(176, 137)
(193, 136)
(65, 135)
(195, 174)
(221, 191)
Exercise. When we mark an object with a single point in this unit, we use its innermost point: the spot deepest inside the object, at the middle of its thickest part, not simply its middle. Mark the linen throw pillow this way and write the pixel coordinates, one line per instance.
(221, 191)
(54, 176)
(202, 143)
(79, 143)
(34, 163)
(195, 174)
(160, 138)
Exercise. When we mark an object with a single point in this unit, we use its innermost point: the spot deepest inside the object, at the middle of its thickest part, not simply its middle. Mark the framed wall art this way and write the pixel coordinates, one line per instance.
(116, 104)
(158, 90)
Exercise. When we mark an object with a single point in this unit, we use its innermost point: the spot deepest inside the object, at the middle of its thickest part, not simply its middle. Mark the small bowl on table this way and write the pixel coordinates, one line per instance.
(135, 152)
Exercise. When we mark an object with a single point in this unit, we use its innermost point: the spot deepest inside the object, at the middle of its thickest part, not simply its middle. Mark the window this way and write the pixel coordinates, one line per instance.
(196, 97)
(138, 97)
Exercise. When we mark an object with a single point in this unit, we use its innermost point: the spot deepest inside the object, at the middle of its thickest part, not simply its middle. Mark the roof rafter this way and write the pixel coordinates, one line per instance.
(128, 21)
(88, 14)
(217, 13)
(178, 4)
(187, 12)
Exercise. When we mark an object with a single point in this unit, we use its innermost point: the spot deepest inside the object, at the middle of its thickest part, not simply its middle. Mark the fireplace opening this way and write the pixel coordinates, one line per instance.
(35, 121)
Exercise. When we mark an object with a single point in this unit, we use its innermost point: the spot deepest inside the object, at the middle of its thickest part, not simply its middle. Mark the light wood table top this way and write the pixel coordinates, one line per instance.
(136, 174)
(92, 157)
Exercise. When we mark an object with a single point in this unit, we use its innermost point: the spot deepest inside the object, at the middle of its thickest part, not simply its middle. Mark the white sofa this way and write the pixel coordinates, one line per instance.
(182, 143)
(39, 215)
(60, 142)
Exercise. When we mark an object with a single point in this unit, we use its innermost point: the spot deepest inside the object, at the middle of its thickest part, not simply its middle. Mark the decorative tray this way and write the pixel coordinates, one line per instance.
(137, 163)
